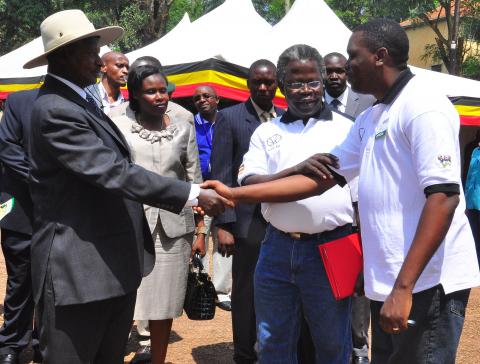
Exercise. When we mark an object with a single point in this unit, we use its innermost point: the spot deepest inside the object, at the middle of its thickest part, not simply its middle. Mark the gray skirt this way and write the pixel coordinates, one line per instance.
(161, 293)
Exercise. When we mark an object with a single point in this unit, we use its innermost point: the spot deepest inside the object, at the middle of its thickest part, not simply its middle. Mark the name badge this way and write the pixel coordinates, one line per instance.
(381, 134)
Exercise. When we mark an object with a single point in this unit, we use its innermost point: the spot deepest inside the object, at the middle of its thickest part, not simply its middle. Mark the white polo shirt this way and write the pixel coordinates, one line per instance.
(399, 149)
(278, 145)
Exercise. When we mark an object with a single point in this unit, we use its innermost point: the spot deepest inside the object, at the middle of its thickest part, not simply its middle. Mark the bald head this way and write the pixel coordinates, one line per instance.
(115, 69)
(206, 89)
(206, 101)
(335, 55)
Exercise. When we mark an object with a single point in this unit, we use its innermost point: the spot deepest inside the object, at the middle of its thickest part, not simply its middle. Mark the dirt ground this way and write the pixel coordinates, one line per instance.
(210, 342)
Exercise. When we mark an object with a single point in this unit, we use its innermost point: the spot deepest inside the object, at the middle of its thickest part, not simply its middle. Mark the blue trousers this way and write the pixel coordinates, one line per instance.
(433, 340)
(289, 277)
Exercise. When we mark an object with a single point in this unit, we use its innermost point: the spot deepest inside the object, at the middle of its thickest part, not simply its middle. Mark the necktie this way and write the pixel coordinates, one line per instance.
(266, 116)
(92, 102)
(335, 103)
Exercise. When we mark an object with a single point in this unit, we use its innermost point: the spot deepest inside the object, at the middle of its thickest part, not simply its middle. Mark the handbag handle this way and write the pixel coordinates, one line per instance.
(197, 261)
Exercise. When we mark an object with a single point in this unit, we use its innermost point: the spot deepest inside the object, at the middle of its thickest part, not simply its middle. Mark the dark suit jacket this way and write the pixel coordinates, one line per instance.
(88, 226)
(14, 133)
(233, 130)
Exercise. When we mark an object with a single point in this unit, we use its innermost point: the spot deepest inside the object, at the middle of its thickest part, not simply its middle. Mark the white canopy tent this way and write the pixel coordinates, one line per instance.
(162, 46)
(236, 33)
(11, 64)
(309, 22)
(312, 22)
(235, 23)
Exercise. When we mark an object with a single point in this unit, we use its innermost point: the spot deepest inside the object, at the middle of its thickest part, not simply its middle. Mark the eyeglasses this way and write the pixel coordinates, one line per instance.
(300, 85)
(205, 96)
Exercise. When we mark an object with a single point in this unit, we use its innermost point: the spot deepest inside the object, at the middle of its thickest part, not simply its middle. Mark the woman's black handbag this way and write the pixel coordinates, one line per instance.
(200, 297)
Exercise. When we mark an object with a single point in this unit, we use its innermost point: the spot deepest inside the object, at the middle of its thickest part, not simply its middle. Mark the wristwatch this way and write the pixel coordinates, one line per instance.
(201, 230)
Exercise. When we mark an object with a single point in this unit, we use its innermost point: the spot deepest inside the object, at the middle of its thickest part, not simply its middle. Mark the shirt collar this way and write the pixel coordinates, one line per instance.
(323, 114)
(70, 84)
(104, 96)
(260, 111)
(200, 120)
(403, 78)
(342, 98)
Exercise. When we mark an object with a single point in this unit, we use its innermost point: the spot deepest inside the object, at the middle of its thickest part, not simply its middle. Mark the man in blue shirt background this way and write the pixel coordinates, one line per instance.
(206, 102)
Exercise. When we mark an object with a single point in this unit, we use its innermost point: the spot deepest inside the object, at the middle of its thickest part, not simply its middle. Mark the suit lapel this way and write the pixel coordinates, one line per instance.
(102, 120)
(352, 103)
(251, 117)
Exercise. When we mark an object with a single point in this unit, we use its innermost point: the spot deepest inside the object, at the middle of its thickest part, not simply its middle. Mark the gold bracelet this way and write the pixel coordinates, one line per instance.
(201, 230)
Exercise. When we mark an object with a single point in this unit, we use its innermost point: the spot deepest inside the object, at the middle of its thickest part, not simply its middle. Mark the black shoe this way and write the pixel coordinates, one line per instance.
(360, 360)
(225, 305)
(9, 359)
(142, 356)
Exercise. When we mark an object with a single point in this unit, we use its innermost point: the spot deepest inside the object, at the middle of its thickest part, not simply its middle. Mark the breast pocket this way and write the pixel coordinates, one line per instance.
(176, 225)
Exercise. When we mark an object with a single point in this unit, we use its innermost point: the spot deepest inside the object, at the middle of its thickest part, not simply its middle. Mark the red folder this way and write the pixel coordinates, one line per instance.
(343, 263)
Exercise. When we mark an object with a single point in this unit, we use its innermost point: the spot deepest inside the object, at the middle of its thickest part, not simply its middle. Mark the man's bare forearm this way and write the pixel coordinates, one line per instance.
(287, 189)
(257, 178)
(434, 223)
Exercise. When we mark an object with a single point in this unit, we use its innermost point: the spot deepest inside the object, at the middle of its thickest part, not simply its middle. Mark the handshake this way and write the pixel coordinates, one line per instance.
(308, 178)
(214, 197)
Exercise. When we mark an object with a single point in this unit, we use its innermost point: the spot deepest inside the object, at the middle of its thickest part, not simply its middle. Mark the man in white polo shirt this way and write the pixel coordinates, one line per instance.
(290, 277)
(419, 253)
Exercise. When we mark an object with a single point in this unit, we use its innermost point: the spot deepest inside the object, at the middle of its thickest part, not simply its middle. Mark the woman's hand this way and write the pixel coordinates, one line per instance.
(198, 245)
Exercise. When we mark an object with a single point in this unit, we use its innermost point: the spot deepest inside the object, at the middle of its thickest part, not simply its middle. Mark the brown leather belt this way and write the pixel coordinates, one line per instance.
(325, 236)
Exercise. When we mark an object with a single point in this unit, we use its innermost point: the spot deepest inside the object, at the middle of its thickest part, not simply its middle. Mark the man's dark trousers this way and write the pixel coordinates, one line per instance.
(16, 331)
(434, 338)
(69, 333)
(16, 227)
(243, 312)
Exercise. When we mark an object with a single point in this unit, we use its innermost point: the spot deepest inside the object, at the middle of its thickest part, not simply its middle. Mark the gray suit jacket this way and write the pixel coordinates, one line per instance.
(356, 103)
(89, 228)
(174, 110)
(176, 157)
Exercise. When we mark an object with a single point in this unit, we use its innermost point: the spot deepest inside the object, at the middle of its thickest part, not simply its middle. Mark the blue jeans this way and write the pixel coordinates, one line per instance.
(433, 340)
(290, 276)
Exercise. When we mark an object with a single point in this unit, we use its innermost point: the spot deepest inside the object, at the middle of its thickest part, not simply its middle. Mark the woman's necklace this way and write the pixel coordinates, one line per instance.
(153, 136)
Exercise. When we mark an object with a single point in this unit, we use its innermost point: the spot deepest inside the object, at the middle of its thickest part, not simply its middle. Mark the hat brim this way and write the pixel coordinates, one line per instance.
(107, 35)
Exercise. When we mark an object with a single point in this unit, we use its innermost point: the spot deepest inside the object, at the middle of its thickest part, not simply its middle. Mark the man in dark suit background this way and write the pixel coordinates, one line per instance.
(91, 243)
(241, 230)
(341, 97)
(18, 306)
(337, 93)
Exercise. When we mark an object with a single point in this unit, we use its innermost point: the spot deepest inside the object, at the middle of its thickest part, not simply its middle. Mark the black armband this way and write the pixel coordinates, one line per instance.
(449, 189)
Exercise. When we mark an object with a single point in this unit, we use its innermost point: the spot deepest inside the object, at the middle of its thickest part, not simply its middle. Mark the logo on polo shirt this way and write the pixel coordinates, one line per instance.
(273, 141)
(445, 160)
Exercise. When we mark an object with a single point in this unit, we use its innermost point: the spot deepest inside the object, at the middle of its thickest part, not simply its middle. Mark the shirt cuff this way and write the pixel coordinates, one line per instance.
(193, 196)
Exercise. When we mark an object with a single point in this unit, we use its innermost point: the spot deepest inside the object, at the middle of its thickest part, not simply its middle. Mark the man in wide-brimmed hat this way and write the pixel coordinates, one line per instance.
(91, 243)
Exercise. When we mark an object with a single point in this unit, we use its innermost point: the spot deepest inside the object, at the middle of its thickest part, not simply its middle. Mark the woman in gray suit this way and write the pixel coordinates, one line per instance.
(168, 147)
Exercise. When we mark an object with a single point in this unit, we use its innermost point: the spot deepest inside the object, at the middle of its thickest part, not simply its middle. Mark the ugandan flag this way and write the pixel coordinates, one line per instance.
(230, 82)
(9, 85)
(469, 110)
(228, 79)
